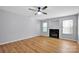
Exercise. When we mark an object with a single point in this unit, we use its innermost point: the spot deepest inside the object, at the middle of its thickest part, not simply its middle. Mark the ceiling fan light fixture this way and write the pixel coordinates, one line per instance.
(39, 13)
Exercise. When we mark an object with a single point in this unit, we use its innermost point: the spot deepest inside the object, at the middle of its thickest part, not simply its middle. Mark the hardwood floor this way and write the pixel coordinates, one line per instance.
(40, 44)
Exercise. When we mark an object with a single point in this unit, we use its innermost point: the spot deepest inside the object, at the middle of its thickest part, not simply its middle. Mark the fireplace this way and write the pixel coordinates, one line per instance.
(54, 33)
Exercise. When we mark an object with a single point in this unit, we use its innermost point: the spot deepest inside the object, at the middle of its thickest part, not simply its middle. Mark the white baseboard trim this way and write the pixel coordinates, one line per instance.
(68, 39)
(18, 40)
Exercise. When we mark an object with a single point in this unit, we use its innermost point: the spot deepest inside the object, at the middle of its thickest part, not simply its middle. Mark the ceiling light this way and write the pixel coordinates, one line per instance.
(39, 13)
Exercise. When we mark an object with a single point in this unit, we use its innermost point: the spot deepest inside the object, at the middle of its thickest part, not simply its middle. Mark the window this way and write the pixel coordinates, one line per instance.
(44, 26)
(67, 26)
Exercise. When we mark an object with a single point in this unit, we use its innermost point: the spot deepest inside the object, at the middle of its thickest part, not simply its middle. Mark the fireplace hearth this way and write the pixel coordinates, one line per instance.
(54, 33)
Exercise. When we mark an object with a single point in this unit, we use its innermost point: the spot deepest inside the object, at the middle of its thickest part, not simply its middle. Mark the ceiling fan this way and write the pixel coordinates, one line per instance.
(39, 10)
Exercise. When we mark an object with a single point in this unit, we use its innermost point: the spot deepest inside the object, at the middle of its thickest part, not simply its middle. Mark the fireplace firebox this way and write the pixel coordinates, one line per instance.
(54, 33)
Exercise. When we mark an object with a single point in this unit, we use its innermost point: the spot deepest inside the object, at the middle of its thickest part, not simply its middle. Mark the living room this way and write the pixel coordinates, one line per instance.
(24, 29)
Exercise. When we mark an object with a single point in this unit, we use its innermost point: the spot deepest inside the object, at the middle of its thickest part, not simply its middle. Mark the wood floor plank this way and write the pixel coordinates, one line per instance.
(41, 44)
(1, 50)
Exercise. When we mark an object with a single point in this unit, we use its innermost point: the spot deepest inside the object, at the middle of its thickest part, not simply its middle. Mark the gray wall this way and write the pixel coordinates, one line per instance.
(78, 27)
(56, 23)
(52, 24)
(75, 27)
(15, 27)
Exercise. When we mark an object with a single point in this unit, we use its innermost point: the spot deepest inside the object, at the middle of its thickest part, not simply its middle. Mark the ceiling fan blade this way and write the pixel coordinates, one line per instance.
(32, 9)
(44, 8)
(44, 13)
(35, 13)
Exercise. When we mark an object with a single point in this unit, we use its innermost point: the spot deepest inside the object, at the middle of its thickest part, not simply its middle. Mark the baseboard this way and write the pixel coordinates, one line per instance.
(17, 40)
(29, 38)
(62, 38)
(68, 39)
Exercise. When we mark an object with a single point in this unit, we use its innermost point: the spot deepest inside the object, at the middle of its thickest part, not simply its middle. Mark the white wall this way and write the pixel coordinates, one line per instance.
(15, 27)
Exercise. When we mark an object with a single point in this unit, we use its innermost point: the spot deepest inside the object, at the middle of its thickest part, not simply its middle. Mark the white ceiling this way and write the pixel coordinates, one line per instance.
(52, 11)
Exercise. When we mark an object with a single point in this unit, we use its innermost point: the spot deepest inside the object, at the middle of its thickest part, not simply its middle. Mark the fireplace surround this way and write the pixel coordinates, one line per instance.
(54, 33)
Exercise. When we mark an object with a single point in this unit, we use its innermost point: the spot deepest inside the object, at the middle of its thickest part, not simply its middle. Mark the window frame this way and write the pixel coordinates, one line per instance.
(67, 27)
(44, 27)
